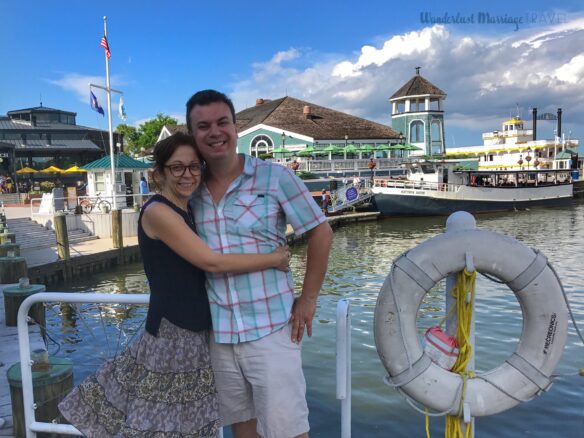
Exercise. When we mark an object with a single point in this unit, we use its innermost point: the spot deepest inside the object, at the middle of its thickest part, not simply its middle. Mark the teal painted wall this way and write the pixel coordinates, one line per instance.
(244, 142)
(402, 124)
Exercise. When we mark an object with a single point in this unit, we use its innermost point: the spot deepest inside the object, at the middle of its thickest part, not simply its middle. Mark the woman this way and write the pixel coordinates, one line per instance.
(163, 385)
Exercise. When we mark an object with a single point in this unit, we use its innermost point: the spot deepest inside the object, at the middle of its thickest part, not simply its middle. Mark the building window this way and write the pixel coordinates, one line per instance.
(261, 144)
(417, 131)
(99, 182)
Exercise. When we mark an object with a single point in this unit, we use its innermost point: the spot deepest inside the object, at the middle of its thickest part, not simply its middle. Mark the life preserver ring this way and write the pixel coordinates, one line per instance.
(545, 319)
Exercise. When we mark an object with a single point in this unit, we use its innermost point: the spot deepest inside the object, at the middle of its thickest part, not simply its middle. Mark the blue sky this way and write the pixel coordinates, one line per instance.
(350, 56)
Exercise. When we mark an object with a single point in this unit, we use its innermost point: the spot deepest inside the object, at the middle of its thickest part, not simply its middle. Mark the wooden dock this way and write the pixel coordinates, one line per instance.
(9, 355)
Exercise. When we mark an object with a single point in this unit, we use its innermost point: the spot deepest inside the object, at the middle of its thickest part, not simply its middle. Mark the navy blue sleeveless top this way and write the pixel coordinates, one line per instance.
(177, 288)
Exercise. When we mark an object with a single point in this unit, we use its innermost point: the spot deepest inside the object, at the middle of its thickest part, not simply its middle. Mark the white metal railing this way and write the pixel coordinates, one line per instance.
(349, 165)
(35, 202)
(416, 185)
(344, 365)
(32, 426)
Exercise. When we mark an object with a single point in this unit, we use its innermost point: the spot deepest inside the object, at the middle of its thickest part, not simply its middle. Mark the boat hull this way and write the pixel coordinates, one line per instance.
(395, 203)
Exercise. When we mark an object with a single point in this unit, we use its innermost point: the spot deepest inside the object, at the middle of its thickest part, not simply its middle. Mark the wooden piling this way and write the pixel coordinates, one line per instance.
(7, 238)
(60, 224)
(7, 248)
(117, 238)
(13, 298)
(11, 269)
(50, 386)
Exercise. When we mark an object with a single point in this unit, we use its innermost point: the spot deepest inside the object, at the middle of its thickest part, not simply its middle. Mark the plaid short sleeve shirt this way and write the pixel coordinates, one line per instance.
(252, 218)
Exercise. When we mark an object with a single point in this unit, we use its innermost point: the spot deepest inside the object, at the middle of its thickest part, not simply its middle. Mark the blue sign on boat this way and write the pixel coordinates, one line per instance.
(351, 194)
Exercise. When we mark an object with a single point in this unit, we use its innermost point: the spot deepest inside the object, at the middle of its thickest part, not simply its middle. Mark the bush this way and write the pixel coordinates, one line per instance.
(265, 156)
(306, 175)
(47, 186)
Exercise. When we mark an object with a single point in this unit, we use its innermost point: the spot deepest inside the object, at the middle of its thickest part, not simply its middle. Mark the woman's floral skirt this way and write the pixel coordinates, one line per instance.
(160, 387)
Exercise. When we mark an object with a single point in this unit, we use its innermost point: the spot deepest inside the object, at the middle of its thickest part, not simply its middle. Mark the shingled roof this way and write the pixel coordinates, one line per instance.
(173, 129)
(287, 114)
(417, 86)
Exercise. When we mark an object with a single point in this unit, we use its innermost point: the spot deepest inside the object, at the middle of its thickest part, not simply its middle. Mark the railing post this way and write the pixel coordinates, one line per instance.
(344, 365)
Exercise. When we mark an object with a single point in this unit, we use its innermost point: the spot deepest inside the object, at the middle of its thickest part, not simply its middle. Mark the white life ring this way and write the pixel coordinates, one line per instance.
(545, 319)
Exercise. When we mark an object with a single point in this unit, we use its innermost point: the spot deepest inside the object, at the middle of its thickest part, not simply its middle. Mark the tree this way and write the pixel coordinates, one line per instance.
(130, 137)
(150, 130)
(147, 133)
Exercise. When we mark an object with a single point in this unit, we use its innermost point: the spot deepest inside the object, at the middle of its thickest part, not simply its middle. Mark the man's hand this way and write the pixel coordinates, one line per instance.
(303, 311)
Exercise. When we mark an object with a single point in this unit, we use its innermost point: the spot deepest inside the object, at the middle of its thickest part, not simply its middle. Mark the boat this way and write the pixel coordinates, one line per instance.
(442, 187)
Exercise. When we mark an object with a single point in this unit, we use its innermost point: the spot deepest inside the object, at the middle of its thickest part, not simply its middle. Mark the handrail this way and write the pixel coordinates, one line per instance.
(32, 426)
(344, 365)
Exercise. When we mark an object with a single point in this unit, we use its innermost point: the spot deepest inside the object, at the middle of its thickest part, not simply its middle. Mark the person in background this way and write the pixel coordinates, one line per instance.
(258, 323)
(163, 384)
(144, 190)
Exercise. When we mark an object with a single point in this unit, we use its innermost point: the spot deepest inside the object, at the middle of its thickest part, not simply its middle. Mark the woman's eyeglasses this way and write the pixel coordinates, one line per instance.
(178, 170)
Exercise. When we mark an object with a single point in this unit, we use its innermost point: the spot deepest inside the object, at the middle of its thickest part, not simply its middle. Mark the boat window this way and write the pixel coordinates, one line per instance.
(426, 168)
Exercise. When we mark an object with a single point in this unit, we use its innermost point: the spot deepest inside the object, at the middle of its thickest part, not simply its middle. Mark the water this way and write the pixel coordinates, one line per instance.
(361, 258)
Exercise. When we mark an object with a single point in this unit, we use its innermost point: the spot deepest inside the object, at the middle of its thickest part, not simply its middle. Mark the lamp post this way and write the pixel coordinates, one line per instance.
(528, 157)
(402, 141)
(346, 144)
(283, 136)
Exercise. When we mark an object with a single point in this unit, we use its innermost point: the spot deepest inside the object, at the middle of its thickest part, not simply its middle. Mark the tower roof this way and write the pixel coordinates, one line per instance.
(417, 86)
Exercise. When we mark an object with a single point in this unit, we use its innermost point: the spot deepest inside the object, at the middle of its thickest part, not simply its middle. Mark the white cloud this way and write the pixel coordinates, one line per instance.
(485, 76)
(79, 84)
(572, 71)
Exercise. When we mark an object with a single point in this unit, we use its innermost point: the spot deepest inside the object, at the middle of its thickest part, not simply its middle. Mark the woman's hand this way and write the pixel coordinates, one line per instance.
(282, 254)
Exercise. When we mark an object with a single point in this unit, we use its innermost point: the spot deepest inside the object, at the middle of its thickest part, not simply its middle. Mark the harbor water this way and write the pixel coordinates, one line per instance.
(361, 259)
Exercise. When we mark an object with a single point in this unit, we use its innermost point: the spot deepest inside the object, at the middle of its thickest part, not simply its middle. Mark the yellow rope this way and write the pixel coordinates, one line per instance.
(465, 287)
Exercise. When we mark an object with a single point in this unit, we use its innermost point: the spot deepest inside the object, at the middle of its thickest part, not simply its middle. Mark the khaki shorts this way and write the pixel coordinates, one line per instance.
(262, 379)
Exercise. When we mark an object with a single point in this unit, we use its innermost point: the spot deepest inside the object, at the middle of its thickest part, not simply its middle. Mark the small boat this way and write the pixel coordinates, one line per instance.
(443, 187)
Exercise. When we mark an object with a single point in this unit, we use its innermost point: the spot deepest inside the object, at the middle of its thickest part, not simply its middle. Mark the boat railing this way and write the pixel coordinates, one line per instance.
(415, 185)
(33, 426)
(348, 165)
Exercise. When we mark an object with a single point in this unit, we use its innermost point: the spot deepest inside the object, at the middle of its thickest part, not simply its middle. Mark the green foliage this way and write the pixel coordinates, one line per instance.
(459, 156)
(130, 136)
(265, 156)
(146, 135)
(306, 175)
(47, 186)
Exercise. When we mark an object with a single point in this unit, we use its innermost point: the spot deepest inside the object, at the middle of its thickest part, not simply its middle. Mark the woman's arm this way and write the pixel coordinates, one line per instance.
(161, 222)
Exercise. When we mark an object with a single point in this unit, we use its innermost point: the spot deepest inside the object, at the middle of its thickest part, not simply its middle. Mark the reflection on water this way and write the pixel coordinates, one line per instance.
(361, 258)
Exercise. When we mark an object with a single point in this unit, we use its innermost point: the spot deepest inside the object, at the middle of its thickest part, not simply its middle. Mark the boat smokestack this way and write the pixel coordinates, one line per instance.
(560, 123)
(534, 125)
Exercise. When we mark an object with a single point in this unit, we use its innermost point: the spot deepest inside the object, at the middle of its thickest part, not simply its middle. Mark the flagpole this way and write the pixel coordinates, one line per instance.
(109, 120)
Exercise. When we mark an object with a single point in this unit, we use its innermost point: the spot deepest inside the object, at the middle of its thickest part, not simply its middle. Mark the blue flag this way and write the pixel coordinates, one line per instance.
(95, 104)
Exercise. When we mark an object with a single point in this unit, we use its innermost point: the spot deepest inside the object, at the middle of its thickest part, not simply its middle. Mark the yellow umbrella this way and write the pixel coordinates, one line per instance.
(26, 170)
(75, 169)
(52, 169)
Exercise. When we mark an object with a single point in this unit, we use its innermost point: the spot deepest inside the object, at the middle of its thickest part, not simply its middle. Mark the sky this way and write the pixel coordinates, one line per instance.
(347, 55)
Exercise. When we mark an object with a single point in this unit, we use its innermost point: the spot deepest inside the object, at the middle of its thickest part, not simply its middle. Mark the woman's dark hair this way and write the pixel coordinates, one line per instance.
(207, 97)
(164, 149)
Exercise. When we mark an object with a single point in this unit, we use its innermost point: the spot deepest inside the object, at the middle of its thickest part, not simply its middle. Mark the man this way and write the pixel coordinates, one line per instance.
(144, 190)
(244, 206)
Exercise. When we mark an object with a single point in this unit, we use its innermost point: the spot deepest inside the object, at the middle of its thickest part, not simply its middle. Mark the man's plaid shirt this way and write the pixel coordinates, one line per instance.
(252, 218)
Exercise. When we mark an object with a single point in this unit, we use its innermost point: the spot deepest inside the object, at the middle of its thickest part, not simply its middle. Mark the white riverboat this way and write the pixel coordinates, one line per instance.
(442, 187)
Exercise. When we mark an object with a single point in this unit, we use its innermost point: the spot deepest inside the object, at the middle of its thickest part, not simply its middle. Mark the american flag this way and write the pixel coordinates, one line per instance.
(105, 45)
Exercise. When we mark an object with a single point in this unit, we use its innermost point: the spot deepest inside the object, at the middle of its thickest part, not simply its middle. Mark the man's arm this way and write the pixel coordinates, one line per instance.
(320, 239)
